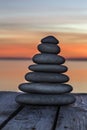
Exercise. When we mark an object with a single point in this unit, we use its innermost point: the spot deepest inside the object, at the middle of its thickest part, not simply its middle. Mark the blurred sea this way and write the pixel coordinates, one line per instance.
(12, 73)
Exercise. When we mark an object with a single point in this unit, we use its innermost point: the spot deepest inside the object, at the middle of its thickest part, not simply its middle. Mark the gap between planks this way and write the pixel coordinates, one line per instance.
(2, 125)
(10, 111)
(74, 116)
(57, 123)
(34, 118)
(56, 118)
(20, 109)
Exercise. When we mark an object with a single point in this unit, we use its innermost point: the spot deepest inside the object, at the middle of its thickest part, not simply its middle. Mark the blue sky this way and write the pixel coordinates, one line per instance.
(67, 10)
(23, 20)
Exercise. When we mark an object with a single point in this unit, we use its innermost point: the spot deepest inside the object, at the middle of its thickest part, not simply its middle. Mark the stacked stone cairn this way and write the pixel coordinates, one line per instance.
(46, 84)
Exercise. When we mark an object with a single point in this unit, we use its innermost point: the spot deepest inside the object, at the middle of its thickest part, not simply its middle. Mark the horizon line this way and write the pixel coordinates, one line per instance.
(28, 58)
(15, 58)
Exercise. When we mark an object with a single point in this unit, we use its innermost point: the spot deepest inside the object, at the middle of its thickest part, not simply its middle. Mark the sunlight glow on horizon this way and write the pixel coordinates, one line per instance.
(24, 23)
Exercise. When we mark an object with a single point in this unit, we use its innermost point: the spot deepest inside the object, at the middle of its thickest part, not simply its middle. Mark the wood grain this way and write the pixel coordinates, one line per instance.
(73, 117)
(70, 117)
(33, 118)
(7, 105)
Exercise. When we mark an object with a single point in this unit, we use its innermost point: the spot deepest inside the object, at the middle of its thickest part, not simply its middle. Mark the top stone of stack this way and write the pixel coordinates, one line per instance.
(50, 39)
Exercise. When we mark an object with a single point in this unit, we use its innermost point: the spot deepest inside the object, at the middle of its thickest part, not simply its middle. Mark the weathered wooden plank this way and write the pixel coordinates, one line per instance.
(33, 118)
(73, 117)
(7, 105)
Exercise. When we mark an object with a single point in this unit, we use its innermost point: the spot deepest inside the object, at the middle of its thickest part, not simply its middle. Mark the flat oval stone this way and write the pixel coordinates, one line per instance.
(48, 68)
(49, 48)
(47, 88)
(50, 39)
(38, 99)
(48, 59)
(46, 77)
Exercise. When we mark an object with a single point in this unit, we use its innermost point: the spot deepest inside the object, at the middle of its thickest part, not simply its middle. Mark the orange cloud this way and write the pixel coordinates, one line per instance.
(74, 50)
(25, 44)
(17, 51)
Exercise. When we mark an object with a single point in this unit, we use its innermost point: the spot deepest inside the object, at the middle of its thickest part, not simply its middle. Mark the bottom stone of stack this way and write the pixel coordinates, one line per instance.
(43, 99)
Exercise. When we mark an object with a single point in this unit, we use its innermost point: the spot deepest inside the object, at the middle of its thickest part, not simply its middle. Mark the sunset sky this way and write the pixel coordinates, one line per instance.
(23, 23)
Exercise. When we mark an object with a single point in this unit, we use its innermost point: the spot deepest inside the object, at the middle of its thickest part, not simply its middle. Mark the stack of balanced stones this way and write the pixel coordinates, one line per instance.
(45, 84)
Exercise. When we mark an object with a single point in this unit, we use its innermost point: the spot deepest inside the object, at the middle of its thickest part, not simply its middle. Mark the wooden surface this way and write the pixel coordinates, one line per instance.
(73, 117)
(18, 117)
(7, 105)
